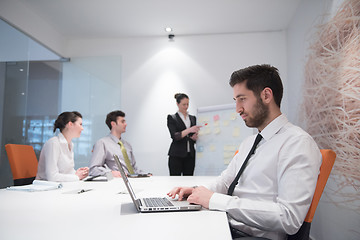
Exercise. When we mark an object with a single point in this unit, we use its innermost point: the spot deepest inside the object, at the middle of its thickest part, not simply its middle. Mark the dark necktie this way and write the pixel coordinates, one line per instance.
(252, 151)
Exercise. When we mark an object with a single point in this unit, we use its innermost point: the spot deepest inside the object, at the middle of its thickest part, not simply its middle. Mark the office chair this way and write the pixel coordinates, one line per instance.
(23, 163)
(328, 159)
(236, 152)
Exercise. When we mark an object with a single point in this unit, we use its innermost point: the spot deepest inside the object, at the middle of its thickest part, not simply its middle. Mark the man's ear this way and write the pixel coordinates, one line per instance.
(267, 95)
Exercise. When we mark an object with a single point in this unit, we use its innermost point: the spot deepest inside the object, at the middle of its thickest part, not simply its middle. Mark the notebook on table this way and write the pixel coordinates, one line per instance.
(154, 204)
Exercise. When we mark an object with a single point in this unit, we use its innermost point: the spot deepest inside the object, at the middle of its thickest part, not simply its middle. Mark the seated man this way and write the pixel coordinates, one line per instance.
(268, 186)
(102, 160)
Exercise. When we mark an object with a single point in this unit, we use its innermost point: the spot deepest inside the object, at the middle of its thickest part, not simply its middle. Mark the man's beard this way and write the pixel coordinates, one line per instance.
(260, 113)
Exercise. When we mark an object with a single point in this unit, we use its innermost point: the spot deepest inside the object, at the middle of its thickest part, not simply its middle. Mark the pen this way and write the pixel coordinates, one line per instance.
(84, 190)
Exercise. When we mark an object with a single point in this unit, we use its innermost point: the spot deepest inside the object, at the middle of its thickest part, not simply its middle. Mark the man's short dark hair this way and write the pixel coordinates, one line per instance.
(257, 78)
(112, 116)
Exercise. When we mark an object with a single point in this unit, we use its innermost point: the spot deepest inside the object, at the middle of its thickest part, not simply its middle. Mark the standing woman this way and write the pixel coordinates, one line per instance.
(56, 161)
(184, 133)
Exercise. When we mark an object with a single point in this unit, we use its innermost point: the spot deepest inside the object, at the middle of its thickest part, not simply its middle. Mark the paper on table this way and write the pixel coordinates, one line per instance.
(37, 185)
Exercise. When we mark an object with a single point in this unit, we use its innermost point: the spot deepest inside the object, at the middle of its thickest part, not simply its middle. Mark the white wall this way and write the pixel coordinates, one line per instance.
(300, 33)
(154, 69)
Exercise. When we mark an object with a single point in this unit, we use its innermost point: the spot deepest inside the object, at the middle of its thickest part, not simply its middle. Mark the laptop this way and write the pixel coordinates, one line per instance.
(154, 204)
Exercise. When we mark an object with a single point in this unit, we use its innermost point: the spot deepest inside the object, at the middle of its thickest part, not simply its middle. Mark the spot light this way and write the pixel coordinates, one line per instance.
(168, 29)
(171, 37)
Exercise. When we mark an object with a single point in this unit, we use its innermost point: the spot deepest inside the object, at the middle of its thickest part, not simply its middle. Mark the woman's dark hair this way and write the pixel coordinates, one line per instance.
(180, 96)
(64, 118)
(257, 78)
(111, 117)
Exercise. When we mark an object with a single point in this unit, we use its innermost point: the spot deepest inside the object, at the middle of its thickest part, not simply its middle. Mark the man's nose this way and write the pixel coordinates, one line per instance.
(239, 108)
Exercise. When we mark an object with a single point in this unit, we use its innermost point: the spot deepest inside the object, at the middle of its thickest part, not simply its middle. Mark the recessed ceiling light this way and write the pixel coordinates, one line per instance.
(168, 29)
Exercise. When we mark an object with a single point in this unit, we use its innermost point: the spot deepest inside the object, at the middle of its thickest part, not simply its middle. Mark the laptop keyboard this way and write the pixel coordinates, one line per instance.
(157, 202)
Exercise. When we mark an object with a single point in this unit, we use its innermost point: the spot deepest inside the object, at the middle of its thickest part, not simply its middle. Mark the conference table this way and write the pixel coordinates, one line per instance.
(106, 212)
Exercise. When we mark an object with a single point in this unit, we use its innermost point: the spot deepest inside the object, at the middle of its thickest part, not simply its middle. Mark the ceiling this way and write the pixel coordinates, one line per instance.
(92, 19)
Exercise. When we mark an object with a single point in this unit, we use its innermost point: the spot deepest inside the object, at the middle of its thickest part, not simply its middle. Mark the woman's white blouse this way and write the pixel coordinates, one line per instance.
(56, 161)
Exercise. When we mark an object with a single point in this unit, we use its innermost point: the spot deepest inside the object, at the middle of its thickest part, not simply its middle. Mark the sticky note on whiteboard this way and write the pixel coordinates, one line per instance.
(236, 132)
(199, 155)
(233, 116)
(217, 130)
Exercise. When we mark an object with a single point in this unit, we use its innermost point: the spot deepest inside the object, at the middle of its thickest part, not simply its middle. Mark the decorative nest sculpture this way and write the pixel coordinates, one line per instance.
(331, 107)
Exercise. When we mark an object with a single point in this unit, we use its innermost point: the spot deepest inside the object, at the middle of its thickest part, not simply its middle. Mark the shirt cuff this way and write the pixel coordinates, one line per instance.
(219, 201)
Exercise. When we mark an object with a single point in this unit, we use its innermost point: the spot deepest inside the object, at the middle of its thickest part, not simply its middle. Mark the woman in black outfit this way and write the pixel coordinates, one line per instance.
(184, 133)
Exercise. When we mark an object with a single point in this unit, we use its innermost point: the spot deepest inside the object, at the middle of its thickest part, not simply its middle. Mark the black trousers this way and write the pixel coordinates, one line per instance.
(184, 166)
(237, 234)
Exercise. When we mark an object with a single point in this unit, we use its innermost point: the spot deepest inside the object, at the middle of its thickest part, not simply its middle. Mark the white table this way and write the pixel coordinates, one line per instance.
(106, 212)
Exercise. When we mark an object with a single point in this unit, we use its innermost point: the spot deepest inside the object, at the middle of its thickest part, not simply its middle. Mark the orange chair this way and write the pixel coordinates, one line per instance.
(328, 159)
(236, 152)
(23, 163)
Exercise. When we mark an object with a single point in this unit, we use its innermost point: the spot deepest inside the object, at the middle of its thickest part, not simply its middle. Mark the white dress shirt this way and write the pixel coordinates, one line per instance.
(102, 159)
(187, 125)
(275, 190)
(56, 161)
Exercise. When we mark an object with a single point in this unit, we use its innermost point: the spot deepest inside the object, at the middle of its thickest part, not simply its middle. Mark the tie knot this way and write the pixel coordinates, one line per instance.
(120, 143)
(258, 138)
(256, 143)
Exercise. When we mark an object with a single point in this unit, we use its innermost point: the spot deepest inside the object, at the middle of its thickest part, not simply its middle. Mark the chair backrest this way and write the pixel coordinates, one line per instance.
(23, 161)
(236, 152)
(328, 159)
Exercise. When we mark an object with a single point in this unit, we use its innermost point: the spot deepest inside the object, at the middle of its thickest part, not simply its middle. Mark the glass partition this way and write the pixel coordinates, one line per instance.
(91, 86)
(30, 106)
(36, 86)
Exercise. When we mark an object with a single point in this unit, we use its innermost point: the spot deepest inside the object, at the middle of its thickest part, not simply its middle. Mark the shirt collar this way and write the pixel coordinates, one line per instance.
(63, 140)
(115, 139)
(274, 126)
(182, 115)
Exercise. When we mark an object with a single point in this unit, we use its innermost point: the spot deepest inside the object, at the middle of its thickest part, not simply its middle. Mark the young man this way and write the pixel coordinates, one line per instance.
(102, 159)
(274, 191)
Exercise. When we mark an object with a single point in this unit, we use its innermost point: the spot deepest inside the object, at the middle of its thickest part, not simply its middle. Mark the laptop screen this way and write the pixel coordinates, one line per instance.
(126, 180)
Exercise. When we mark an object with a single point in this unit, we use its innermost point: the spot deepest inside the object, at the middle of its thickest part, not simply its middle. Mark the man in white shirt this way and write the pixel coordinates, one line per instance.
(102, 159)
(274, 192)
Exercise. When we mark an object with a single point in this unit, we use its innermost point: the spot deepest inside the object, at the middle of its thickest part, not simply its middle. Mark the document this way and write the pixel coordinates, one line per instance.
(139, 175)
(37, 185)
(100, 178)
(95, 179)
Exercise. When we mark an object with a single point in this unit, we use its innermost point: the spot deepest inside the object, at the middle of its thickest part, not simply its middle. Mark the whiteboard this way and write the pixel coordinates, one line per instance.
(221, 133)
